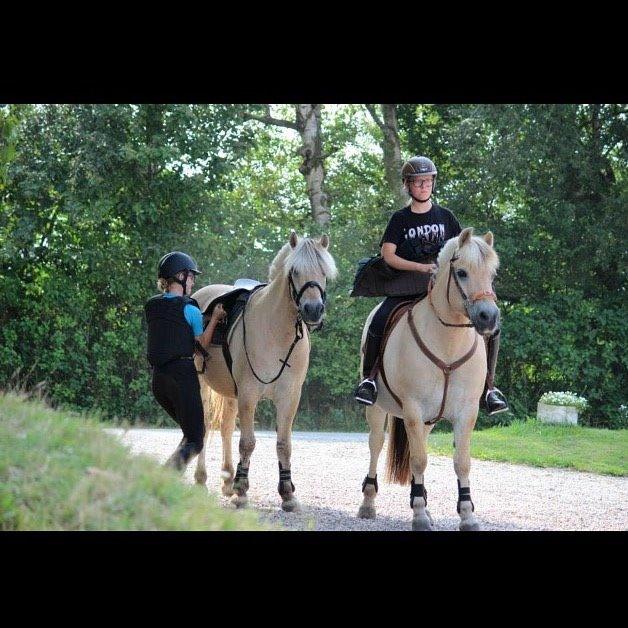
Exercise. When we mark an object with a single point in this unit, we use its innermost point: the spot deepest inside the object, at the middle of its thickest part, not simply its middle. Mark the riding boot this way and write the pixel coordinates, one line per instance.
(493, 400)
(183, 455)
(366, 392)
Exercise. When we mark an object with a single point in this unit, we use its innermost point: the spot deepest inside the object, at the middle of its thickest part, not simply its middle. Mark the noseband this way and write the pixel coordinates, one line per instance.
(296, 296)
(485, 294)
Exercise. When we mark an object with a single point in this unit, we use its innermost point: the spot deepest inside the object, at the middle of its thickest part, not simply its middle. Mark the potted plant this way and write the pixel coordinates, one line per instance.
(560, 407)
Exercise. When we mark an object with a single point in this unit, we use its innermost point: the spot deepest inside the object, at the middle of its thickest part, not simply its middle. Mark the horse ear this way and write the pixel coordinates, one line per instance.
(294, 238)
(488, 238)
(465, 236)
(325, 241)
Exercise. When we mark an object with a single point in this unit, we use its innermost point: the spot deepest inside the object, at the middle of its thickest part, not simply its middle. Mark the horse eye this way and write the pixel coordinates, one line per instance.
(295, 273)
(461, 273)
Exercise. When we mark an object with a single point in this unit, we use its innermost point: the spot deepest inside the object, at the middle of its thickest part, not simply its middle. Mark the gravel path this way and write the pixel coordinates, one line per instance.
(328, 469)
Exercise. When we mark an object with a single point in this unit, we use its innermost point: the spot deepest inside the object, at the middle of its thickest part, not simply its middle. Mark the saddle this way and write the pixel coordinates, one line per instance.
(233, 303)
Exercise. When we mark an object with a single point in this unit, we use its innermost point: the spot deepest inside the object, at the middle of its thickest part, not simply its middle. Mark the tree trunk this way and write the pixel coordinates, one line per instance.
(391, 147)
(309, 126)
(392, 154)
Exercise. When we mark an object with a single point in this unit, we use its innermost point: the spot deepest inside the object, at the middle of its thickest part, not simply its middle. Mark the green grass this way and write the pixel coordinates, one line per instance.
(60, 471)
(542, 445)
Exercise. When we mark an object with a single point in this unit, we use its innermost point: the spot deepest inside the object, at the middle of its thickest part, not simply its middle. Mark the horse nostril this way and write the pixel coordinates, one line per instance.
(483, 316)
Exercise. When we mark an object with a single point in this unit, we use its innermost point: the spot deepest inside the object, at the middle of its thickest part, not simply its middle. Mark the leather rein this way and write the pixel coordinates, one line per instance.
(446, 369)
(298, 325)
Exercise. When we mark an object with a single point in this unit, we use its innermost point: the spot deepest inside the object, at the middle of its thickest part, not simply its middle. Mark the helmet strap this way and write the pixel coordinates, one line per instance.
(183, 283)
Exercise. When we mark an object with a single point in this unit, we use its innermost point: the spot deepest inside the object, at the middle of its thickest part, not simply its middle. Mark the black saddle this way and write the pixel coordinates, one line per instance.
(233, 303)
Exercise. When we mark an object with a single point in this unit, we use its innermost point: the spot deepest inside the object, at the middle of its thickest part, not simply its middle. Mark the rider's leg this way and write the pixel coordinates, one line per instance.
(493, 399)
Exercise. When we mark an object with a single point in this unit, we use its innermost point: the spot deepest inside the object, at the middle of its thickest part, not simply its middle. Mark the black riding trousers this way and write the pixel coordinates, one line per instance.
(176, 388)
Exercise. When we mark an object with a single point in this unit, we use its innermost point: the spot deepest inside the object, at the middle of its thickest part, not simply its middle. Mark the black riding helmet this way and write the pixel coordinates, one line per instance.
(419, 166)
(175, 262)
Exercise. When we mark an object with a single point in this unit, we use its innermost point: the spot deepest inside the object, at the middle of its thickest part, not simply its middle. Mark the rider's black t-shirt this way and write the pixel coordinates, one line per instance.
(433, 227)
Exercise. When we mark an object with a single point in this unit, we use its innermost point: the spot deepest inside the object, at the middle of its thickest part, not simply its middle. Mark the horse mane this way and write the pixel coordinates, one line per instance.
(475, 252)
(306, 258)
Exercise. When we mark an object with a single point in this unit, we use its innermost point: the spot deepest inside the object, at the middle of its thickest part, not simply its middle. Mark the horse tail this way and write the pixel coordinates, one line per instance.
(216, 408)
(398, 463)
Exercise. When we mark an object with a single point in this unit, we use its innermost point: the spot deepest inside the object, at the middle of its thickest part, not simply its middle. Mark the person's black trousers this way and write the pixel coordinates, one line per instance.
(176, 388)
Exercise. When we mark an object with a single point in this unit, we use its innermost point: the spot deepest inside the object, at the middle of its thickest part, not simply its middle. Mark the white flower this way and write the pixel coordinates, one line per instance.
(564, 399)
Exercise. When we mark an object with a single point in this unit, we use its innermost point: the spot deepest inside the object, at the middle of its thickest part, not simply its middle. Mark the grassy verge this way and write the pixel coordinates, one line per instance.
(60, 471)
(542, 445)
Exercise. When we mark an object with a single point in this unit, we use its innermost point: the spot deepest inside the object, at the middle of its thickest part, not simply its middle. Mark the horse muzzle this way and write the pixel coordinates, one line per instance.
(312, 312)
(484, 315)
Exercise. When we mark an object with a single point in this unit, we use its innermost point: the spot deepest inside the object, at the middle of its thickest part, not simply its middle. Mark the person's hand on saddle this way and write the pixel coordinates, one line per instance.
(219, 313)
(426, 268)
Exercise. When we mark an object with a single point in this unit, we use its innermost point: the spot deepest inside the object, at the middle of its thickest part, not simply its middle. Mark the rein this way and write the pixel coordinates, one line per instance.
(298, 325)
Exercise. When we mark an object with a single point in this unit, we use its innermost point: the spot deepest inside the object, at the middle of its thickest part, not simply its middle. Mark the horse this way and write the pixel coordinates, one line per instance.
(433, 367)
(266, 338)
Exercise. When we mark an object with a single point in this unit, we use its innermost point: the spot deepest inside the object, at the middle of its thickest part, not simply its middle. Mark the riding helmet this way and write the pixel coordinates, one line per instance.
(174, 262)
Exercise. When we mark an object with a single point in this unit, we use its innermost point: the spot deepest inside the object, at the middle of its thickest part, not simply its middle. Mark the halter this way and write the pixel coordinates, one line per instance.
(485, 294)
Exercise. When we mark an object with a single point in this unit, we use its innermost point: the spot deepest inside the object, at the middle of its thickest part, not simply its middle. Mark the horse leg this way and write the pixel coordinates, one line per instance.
(376, 418)
(286, 408)
(227, 425)
(200, 474)
(417, 438)
(462, 466)
(246, 412)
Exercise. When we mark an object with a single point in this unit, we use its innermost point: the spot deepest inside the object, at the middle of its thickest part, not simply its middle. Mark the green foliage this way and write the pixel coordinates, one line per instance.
(92, 195)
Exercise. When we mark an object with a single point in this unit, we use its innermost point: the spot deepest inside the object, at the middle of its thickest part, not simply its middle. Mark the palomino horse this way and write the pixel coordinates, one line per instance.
(423, 388)
(267, 337)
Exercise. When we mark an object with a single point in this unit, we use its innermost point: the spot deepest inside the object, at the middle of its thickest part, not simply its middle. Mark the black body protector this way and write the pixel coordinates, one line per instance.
(169, 335)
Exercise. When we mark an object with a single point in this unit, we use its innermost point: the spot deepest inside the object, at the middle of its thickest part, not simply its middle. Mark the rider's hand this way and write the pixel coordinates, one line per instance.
(218, 313)
(426, 268)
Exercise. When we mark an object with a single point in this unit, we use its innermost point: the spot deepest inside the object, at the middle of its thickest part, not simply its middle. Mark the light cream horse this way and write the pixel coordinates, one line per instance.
(296, 291)
(466, 266)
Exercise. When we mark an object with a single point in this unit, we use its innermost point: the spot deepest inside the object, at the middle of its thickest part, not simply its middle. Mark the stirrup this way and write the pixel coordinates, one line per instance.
(366, 397)
(502, 400)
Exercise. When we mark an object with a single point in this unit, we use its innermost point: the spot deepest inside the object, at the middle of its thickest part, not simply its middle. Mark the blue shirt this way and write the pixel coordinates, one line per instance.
(192, 315)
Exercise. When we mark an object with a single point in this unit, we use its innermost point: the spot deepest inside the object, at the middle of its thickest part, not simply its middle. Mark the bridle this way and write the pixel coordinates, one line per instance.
(298, 325)
(296, 296)
(477, 296)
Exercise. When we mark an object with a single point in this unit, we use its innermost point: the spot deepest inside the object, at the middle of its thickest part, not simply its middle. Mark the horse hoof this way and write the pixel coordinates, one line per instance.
(290, 505)
(421, 524)
(239, 501)
(366, 512)
(470, 526)
(227, 490)
(201, 478)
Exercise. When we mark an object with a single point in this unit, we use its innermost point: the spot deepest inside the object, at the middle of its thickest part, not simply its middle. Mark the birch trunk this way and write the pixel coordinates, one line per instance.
(308, 120)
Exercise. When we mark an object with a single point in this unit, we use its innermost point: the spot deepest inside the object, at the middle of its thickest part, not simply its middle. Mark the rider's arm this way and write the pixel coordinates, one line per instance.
(205, 338)
(392, 259)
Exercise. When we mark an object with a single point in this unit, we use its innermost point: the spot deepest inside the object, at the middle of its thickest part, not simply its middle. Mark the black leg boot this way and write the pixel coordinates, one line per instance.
(366, 392)
(493, 399)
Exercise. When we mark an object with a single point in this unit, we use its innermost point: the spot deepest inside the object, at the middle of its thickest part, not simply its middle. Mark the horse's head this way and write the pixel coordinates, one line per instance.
(470, 264)
(306, 264)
